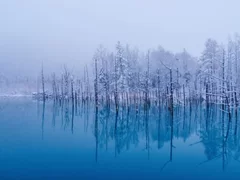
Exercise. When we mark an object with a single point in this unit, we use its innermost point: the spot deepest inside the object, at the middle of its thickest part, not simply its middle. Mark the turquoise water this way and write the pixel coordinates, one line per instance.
(49, 141)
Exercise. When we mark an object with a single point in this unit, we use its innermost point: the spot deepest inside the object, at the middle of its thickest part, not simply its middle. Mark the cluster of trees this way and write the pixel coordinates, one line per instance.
(128, 76)
(166, 78)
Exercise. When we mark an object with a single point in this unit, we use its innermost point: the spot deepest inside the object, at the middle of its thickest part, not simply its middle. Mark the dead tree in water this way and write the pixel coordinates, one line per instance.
(171, 94)
(62, 88)
(66, 82)
(116, 84)
(54, 87)
(147, 102)
(207, 95)
(158, 87)
(72, 96)
(43, 85)
(225, 97)
(72, 90)
(86, 86)
(171, 109)
(96, 83)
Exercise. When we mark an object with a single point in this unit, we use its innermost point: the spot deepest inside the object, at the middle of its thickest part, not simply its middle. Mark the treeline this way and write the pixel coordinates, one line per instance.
(128, 76)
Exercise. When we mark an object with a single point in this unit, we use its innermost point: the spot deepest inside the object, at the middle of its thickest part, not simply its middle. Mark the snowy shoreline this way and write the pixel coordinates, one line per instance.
(15, 95)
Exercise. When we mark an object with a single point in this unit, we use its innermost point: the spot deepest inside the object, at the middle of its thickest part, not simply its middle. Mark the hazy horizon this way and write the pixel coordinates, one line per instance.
(61, 32)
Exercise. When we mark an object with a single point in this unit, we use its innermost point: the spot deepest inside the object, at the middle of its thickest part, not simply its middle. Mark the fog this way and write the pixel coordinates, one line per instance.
(58, 32)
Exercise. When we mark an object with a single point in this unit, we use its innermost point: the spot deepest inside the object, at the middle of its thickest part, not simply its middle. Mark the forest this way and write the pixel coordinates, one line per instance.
(157, 77)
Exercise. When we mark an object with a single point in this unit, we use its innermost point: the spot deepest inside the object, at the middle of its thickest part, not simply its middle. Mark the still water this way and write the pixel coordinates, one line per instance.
(49, 141)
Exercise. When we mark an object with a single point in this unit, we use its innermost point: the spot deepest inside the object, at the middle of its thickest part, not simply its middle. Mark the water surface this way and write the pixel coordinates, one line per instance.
(52, 141)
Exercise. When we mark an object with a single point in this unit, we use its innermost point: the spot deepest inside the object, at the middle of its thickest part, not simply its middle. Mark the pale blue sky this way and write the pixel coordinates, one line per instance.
(68, 31)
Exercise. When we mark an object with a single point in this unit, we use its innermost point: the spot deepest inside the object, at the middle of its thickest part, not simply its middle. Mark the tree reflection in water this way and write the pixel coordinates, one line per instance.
(155, 125)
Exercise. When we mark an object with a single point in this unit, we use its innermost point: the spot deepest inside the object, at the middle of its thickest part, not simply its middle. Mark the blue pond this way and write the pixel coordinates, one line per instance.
(60, 141)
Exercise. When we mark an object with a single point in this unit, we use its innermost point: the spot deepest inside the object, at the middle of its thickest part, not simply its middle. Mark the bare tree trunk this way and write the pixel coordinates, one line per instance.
(43, 85)
(171, 94)
(96, 84)
(147, 83)
(116, 86)
(72, 91)
(184, 96)
(158, 87)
